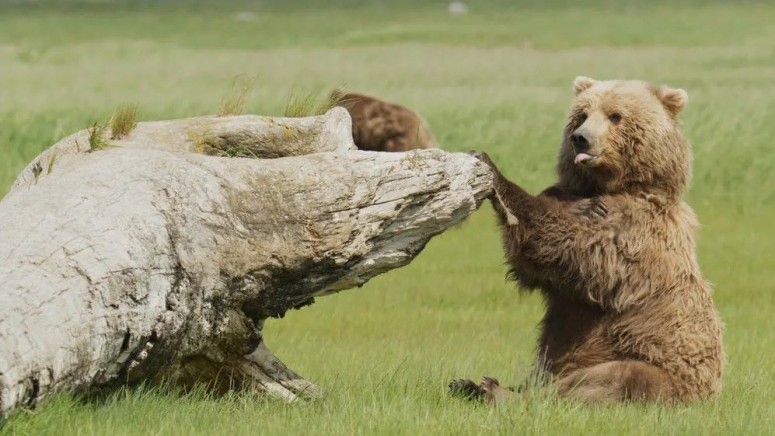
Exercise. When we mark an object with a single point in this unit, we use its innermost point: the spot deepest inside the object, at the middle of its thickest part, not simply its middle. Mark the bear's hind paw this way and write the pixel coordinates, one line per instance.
(466, 388)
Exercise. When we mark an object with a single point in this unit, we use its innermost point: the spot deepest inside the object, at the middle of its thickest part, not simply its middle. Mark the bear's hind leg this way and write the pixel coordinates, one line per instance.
(618, 381)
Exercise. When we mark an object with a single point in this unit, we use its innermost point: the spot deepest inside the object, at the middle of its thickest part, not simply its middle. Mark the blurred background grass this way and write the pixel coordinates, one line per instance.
(497, 79)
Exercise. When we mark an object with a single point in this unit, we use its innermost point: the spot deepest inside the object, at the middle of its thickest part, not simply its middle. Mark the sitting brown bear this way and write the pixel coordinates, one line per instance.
(382, 126)
(611, 247)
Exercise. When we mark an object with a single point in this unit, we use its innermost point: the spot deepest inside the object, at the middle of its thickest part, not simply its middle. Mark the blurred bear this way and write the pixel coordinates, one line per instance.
(382, 126)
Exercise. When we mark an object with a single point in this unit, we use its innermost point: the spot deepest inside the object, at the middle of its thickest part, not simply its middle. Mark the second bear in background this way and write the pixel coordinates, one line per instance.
(382, 126)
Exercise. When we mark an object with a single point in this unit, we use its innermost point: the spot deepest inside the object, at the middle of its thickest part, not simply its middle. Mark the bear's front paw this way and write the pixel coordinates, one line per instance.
(589, 208)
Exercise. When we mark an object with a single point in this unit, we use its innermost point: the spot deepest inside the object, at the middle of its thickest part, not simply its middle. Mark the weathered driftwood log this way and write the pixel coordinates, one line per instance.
(147, 261)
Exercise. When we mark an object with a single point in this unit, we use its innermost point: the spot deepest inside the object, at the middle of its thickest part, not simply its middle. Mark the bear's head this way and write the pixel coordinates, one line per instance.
(623, 136)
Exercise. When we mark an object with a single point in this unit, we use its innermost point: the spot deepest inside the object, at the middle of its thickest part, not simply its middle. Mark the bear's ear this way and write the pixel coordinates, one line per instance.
(673, 99)
(582, 83)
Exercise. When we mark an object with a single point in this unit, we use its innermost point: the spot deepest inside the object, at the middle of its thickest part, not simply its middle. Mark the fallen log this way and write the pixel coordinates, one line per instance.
(158, 256)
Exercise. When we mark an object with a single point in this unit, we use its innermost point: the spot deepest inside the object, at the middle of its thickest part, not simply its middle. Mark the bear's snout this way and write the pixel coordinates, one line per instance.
(580, 141)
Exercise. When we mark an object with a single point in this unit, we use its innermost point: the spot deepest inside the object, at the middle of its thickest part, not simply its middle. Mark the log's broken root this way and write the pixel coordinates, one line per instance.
(275, 378)
(147, 261)
(259, 371)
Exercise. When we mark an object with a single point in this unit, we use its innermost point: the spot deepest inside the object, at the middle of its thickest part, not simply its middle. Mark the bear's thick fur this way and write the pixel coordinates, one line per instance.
(382, 126)
(611, 247)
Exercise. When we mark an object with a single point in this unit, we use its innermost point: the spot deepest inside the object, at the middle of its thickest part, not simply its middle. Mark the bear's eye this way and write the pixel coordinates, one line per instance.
(582, 117)
(615, 117)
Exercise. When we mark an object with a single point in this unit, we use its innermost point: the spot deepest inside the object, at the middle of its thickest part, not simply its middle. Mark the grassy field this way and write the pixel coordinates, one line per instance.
(497, 79)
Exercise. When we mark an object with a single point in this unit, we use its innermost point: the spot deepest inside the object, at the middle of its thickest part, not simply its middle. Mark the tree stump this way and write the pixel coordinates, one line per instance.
(159, 255)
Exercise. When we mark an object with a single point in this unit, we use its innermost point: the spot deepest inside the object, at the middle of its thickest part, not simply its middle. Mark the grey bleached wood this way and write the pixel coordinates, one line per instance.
(249, 135)
(146, 261)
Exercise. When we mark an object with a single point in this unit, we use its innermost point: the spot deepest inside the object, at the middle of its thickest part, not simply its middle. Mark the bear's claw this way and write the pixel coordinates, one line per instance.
(482, 156)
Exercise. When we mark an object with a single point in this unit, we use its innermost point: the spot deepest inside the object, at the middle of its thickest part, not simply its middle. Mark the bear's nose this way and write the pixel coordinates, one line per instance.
(580, 142)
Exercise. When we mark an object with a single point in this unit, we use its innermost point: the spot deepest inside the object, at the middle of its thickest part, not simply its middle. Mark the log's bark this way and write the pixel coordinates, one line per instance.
(158, 258)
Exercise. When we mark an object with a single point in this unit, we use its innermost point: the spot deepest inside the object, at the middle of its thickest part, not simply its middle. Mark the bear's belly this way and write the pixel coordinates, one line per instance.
(573, 335)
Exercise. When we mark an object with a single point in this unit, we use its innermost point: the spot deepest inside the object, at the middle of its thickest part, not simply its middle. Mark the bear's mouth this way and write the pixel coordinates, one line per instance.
(584, 158)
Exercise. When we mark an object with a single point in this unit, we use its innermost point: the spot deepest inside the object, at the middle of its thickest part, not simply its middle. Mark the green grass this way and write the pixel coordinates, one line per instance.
(123, 121)
(498, 79)
(234, 102)
(97, 140)
(310, 104)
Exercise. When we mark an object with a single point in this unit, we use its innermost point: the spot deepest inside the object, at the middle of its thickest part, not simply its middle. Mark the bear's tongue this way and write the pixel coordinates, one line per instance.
(582, 157)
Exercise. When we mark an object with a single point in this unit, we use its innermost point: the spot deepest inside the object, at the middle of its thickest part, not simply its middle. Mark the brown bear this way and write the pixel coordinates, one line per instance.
(611, 247)
(382, 126)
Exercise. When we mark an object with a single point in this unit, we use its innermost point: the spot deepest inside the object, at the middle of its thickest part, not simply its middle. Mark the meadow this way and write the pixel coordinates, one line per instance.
(496, 79)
